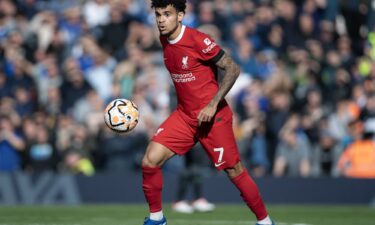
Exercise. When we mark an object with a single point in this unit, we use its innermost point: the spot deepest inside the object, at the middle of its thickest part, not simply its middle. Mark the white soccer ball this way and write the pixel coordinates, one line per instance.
(121, 115)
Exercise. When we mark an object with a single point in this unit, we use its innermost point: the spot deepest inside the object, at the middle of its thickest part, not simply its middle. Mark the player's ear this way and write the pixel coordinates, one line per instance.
(180, 16)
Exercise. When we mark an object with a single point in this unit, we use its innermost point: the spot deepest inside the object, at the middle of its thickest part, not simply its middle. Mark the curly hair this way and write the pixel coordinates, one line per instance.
(179, 5)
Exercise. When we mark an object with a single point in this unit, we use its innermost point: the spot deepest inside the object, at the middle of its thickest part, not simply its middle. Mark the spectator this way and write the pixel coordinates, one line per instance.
(119, 152)
(251, 106)
(41, 156)
(54, 102)
(96, 13)
(124, 75)
(5, 86)
(78, 164)
(89, 111)
(276, 116)
(11, 144)
(293, 151)
(339, 119)
(191, 176)
(7, 108)
(307, 29)
(114, 34)
(77, 155)
(190, 18)
(325, 155)
(71, 26)
(24, 104)
(244, 56)
(313, 113)
(358, 159)
(100, 75)
(46, 75)
(73, 87)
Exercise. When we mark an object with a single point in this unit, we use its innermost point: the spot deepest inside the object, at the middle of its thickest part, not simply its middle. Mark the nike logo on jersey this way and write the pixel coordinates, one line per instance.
(219, 164)
(158, 131)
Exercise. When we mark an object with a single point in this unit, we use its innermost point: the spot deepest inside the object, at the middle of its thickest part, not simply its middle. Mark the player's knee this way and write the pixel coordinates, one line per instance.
(153, 159)
(234, 171)
(148, 161)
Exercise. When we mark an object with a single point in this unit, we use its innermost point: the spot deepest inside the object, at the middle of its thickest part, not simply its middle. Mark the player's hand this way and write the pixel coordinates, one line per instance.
(206, 114)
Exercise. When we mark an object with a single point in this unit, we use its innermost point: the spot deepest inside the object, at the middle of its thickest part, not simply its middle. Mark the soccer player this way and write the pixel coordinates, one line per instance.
(192, 59)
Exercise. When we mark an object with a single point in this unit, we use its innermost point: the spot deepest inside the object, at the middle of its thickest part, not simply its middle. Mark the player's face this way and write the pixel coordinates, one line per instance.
(168, 21)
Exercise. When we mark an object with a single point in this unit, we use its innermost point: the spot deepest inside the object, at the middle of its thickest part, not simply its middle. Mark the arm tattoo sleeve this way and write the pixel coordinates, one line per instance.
(231, 72)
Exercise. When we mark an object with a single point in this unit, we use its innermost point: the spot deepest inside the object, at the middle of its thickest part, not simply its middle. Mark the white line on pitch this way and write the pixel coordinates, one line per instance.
(231, 222)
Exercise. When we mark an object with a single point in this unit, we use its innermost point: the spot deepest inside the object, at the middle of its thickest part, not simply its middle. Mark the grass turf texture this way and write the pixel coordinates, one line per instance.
(224, 215)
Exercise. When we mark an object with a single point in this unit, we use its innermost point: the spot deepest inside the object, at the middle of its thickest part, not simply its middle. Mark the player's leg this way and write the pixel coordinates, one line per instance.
(221, 147)
(173, 137)
(249, 192)
(156, 155)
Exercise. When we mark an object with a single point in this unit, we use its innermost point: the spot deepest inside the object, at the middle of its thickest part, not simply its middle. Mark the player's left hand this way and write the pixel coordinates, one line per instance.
(206, 114)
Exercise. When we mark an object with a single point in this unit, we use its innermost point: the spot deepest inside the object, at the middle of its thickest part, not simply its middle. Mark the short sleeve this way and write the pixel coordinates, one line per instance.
(207, 48)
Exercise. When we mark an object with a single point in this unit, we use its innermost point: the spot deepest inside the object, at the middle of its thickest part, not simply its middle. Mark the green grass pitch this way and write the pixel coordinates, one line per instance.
(133, 214)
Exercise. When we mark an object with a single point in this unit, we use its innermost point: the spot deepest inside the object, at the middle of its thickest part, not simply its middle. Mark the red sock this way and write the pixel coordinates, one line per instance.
(250, 194)
(152, 187)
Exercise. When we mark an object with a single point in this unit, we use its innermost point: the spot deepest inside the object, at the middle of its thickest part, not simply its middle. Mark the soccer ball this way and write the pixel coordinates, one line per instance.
(121, 115)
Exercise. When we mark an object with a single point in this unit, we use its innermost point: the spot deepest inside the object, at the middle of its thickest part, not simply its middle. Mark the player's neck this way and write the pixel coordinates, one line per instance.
(176, 33)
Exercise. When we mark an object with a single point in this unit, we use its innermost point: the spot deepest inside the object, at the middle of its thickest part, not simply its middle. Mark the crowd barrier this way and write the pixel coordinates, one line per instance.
(116, 187)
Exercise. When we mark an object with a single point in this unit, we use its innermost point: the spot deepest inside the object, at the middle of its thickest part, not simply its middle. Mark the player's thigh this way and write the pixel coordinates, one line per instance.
(220, 145)
(175, 134)
(156, 155)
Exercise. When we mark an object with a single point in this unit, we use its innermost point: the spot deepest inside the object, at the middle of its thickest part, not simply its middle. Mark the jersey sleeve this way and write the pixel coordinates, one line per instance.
(207, 48)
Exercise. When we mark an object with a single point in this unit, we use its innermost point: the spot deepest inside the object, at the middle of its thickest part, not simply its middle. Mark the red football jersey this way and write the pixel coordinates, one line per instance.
(190, 60)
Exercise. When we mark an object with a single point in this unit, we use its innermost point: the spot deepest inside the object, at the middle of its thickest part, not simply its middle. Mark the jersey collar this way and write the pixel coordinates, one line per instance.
(178, 38)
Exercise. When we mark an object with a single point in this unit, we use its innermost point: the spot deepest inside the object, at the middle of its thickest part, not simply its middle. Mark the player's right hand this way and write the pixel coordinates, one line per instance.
(206, 114)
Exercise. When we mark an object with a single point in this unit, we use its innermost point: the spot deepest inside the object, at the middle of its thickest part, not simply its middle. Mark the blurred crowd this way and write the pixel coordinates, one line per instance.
(304, 103)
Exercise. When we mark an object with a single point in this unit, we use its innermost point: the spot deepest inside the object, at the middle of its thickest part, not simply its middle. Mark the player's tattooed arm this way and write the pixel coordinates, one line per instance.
(231, 72)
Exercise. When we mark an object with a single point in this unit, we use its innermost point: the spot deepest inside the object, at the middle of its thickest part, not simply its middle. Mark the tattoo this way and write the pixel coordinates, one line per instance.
(231, 72)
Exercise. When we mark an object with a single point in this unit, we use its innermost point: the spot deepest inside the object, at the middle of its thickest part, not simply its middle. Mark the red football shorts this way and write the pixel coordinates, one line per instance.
(179, 134)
